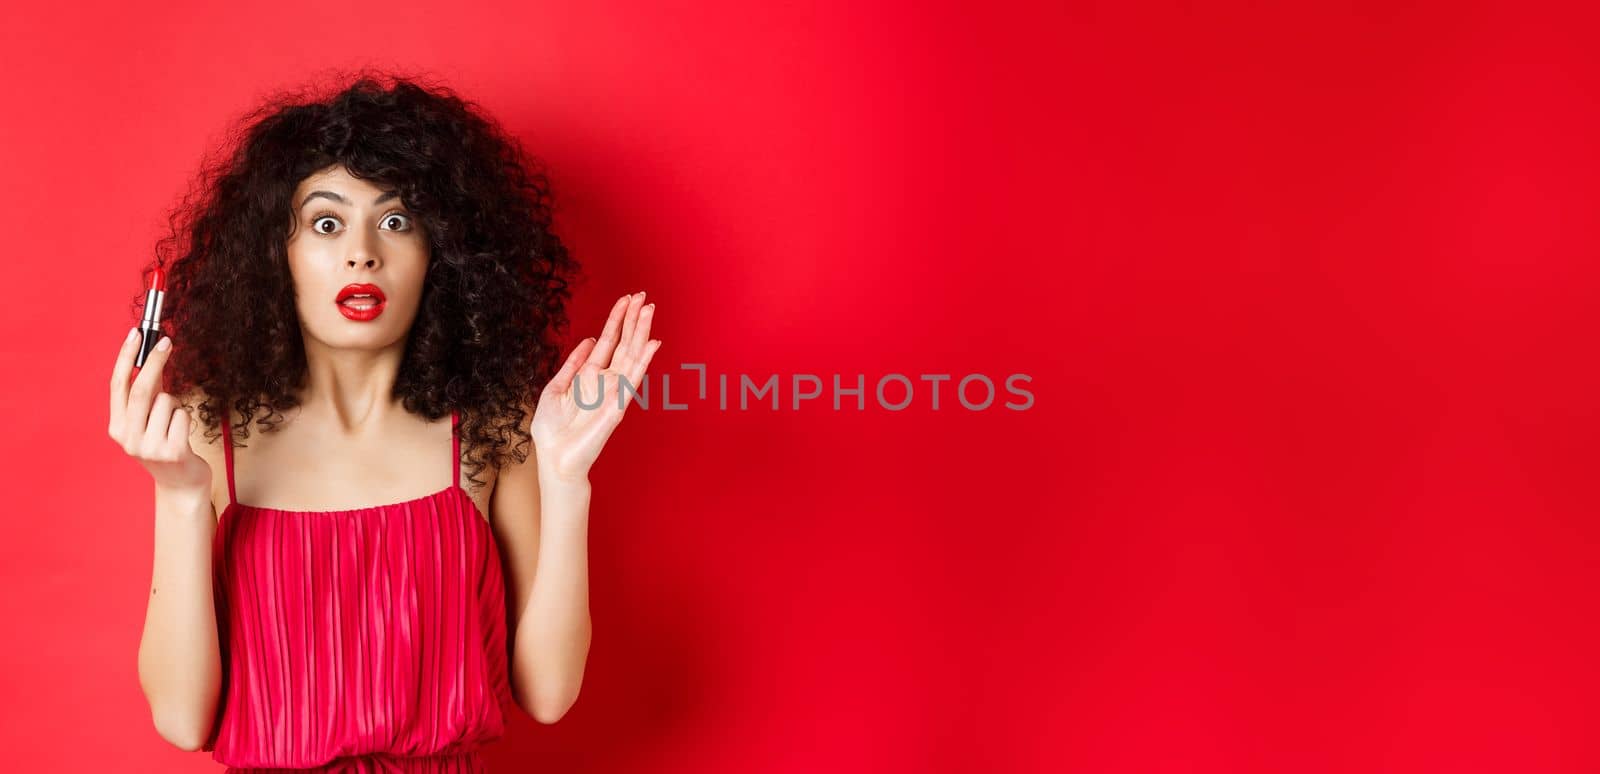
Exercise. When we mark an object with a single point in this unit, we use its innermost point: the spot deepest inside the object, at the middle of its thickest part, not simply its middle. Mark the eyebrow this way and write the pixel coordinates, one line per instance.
(342, 200)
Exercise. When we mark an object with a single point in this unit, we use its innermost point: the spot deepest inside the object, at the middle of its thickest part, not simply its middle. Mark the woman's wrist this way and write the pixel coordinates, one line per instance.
(183, 501)
(554, 479)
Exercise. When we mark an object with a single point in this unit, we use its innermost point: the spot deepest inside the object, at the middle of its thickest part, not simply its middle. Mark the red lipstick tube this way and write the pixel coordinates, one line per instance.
(150, 325)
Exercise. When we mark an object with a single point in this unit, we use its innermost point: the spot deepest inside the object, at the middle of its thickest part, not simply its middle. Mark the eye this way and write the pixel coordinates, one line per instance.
(397, 222)
(325, 224)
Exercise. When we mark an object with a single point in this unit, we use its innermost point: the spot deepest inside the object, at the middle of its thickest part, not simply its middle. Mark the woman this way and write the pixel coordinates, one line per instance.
(329, 596)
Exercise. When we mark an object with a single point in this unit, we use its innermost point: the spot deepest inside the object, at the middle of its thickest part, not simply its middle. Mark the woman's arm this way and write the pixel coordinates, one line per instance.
(543, 526)
(179, 659)
(542, 508)
(180, 667)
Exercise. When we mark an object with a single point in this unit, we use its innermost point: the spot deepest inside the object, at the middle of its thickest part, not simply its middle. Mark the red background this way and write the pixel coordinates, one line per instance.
(1306, 296)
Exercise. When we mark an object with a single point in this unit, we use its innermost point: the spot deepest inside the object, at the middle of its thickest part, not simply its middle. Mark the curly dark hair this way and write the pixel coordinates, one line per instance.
(494, 298)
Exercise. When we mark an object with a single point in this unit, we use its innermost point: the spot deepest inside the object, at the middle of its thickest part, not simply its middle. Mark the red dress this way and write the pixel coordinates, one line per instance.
(361, 640)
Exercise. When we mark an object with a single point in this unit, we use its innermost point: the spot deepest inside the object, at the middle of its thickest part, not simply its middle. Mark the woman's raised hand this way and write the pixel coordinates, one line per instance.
(151, 426)
(568, 437)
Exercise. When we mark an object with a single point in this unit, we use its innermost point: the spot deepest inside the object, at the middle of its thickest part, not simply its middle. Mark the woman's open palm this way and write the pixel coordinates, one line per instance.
(567, 436)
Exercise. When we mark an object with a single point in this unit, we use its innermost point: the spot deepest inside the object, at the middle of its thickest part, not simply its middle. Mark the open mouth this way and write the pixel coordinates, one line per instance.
(360, 302)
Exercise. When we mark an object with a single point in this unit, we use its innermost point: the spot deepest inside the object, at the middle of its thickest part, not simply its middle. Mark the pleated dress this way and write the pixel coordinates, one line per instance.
(361, 640)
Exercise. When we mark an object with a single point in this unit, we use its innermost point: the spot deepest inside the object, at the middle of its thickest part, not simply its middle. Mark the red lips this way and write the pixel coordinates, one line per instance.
(367, 310)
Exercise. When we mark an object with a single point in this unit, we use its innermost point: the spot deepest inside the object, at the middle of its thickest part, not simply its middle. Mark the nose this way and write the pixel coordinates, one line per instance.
(363, 252)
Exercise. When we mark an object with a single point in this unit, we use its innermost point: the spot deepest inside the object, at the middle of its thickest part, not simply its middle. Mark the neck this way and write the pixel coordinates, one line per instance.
(352, 388)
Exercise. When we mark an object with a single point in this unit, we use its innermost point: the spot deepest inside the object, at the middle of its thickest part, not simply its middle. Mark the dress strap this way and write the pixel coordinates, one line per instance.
(227, 454)
(455, 449)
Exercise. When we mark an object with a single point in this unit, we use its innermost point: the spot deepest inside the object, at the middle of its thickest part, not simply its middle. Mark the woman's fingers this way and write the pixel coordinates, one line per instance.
(621, 352)
(562, 381)
(120, 376)
(145, 387)
(636, 370)
(178, 431)
(608, 336)
(119, 382)
(641, 333)
(633, 339)
(631, 321)
(153, 445)
(643, 363)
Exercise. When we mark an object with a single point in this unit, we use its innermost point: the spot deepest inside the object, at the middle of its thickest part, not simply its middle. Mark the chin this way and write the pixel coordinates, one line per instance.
(362, 336)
